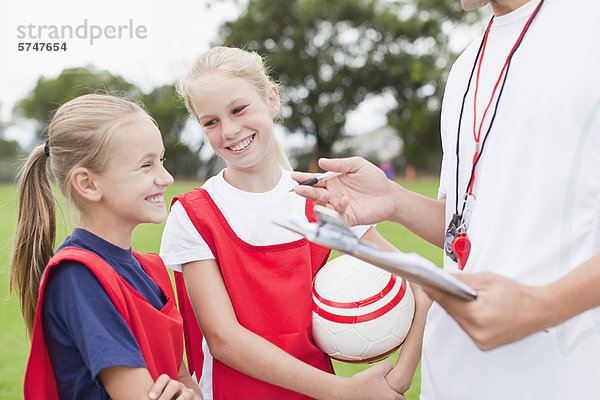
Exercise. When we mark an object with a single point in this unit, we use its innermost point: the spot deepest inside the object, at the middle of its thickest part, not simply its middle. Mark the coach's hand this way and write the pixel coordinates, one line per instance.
(504, 311)
(363, 194)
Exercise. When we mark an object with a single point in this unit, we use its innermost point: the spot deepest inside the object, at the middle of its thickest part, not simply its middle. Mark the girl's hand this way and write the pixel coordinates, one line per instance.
(400, 378)
(166, 388)
(371, 384)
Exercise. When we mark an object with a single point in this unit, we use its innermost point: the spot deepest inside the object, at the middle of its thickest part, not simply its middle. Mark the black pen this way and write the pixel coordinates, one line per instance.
(320, 178)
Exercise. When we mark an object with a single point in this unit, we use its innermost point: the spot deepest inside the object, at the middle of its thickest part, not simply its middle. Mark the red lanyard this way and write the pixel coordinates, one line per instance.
(503, 74)
(456, 243)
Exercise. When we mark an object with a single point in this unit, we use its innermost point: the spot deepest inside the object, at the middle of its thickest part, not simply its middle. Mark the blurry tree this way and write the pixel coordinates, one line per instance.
(10, 152)
(9, 159)
(49, 94)
(8, 148)
(169, 112)
(329, 55)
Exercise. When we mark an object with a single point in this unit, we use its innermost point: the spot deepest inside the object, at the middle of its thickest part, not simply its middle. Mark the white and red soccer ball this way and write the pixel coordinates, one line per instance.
(361, 313)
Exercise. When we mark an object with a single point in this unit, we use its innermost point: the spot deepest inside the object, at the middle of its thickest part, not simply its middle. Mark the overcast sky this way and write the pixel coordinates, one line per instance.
(165, 39)
(176, 31)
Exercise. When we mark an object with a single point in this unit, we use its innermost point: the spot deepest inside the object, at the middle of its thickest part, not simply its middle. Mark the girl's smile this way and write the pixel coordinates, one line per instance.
(241, 144)
(157, 199)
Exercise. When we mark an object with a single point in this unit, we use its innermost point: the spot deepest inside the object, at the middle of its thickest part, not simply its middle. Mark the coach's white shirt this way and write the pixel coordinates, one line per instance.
(537, 213)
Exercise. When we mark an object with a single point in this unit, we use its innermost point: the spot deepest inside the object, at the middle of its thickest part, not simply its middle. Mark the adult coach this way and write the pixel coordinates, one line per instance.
(518, 208)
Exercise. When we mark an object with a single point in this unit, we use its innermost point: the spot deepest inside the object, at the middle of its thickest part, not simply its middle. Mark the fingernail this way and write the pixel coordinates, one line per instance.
(153, 395)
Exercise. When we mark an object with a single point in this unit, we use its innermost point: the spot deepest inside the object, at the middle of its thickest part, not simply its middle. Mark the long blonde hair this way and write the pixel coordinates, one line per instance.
(238, 63)
(79, 135)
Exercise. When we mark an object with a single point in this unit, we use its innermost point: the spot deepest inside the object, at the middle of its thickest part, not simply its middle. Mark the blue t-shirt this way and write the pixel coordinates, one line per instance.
(83, 329)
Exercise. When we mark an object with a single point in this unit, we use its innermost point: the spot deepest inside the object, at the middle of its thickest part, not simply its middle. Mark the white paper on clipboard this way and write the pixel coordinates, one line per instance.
(331, 231)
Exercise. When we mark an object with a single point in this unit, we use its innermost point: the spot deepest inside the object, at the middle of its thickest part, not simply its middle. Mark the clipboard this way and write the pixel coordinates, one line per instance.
(333, 232)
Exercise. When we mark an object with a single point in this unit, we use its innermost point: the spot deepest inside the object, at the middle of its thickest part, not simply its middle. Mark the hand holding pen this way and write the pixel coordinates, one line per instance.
(360, 191)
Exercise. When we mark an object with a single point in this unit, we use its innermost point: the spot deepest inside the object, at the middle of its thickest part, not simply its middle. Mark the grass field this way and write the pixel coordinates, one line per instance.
(14, 346)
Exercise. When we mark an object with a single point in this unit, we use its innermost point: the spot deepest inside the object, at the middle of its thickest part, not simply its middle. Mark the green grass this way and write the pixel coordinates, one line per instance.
(14, 347)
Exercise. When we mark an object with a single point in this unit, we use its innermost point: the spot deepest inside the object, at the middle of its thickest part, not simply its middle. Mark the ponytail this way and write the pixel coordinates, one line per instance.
(34, 235)
(282, 158)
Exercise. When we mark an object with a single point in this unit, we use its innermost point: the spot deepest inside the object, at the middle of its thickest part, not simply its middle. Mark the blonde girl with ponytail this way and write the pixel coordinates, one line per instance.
(99, 315)
(245, 287)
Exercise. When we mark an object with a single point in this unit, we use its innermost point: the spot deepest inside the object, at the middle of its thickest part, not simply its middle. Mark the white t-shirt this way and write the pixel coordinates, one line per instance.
(537, 210)
(251, 217)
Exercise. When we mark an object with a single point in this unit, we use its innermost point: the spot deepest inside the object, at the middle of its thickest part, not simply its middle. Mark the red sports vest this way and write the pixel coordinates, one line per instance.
(158, 333)
(270, 289)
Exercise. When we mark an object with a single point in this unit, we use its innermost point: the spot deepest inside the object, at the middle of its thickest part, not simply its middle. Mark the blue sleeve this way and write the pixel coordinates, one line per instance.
(81, 318)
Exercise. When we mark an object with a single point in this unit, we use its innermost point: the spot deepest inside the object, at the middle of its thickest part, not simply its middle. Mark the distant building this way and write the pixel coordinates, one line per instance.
(380, 145)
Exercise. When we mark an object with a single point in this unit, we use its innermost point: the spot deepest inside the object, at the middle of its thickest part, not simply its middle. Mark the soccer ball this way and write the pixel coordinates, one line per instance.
(361, 313)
